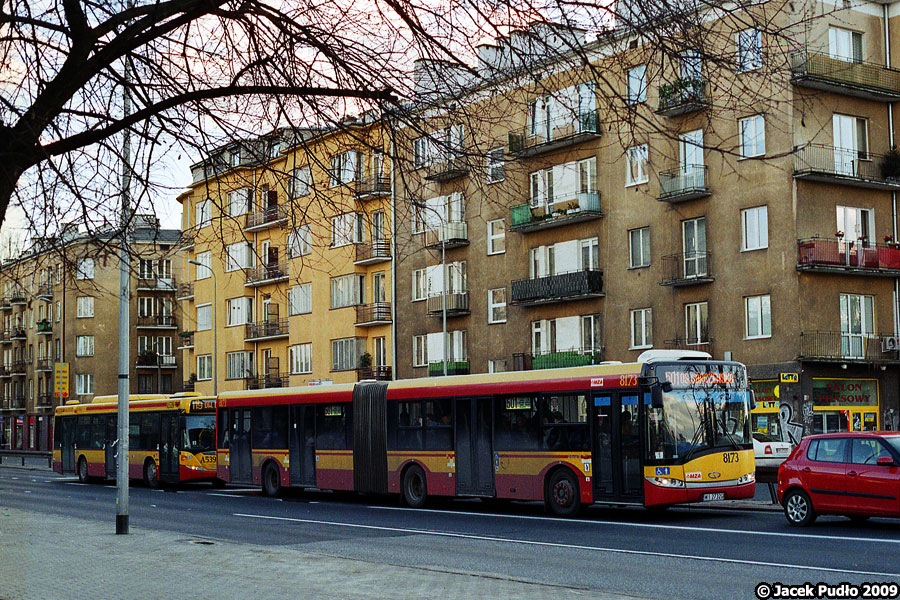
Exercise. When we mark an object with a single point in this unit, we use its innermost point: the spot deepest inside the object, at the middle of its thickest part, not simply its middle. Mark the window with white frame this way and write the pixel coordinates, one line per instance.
(749, 50)
(419, 284)
(85, 269)
(84, 307)
(239, 201)
(637, 84)
(439, 146)
(589, 254)
(204, 213)
(204, 367)
(639, 247)
(498, 366)
(753, 136)
(845, 45)
(300, 182)
(348, 228)
(636, 165)
(345, 167)
(84, 384)
(301, 358)
(696, 323)
(495, 165)
(204, 269)
(345, 353)
(496, 237)
(857, 324)
(240, 311)
(204, 317)
(300, 242)
(420, 351)
(59, 311)
(145, 307)
(238, 365)
(757, 317)
(145, 268)
(348, 290)
(84, 345)
(642, 328)
(300, 299)
(238, 256)
(755, 228)
(144, 344)
(590, 334)
(497, 305)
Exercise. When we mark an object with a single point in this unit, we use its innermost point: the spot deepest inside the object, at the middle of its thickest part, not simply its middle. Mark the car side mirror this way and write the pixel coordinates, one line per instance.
(885, 461)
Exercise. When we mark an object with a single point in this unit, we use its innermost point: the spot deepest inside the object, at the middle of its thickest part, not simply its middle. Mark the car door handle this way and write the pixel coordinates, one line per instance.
(806, 469)
(852, 473)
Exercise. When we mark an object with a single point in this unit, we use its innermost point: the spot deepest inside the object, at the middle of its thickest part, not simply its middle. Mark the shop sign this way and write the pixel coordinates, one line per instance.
(765, 393)
(845, 392)
(790, 377)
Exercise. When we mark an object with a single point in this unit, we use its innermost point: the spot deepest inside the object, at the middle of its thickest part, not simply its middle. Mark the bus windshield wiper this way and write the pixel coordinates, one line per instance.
(697, 434)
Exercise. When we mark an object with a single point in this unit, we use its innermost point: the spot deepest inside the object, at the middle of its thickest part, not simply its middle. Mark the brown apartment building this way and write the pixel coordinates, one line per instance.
(744, 206)
(60, 304)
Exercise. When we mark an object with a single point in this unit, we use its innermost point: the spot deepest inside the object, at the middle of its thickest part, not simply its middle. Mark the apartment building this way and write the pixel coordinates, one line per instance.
(60, 305)
(288, 250)
(744, 206)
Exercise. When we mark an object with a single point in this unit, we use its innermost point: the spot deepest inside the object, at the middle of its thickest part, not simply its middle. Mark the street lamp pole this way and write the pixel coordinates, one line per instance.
(215, 306)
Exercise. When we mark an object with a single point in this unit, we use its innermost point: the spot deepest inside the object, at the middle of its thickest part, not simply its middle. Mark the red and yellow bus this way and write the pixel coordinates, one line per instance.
(671, 428)
(171, 438)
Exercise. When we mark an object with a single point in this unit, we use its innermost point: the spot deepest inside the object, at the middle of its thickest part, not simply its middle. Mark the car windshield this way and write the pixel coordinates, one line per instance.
(199, 433)
(694, 420)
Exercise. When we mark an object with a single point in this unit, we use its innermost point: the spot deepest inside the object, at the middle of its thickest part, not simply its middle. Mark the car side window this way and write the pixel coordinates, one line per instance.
(866, 451)
(833, 450)
(811, 450)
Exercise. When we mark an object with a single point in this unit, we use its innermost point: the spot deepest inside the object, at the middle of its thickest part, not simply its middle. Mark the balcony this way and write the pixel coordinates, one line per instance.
(457, 304)
(6, 336)
(554, 360)
(156, 322)
(187, 240)
(575, 285)
(687, 268)
(454, 367)
(17, 333)
(266, 330)
(848, 258)
(548, 136)
(45, 399)
(152, 359)
(378, 373)
(272, 380)
(687, 182)
(266, 275)
(272, 216)
(452, 234)
(43, 365)
(44, 327)
(374, 252)
(16, 368)
(17, 298)
(5, 304)
(155, 284)
(447, 170)
(185, 291)
(186, 340)
(4, 370)
(377, 313)
(827, 164)
(373, 187)
(45, 291)
(16, 402)
(189, 385)
(564, 210)
(681, 97)
(835, 346)
(820, 71)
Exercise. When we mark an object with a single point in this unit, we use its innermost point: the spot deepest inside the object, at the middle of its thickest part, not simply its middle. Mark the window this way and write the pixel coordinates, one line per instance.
(637, 84)
(857, 324)
(204, 213)
(419, 284)
(238, 365)
(696, 323)
(300, 299)
(420, 351)
(851, 143)
(240, 311)
(238, 256)
(84, 384)
(758, 317)
(301, 358)
(832, 450)
(300, 182)
(495, 165)
(636, 163)
(204, 317)
(589, 257)
(753, 136)
(85, 307)
(590, 333)
(845, 45)
(204, 367)
(204, 271)
(145, 383)
(749, 50)
(345, 167)
(59, 311)
(239, 202)
(497, 305)
(497, 366)
(639, 247)
(145, 307)
(755, 228)
(496, 237)
(867, 451)
(300, 242)
(642, 328)
(348, 290)
(145, 268)
(345, 353)
(347, 229)
(694, 246)
(84, 345)
(85, 269)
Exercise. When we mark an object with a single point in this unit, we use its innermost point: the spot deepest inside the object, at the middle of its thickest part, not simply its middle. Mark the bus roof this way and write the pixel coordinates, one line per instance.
(186, 402)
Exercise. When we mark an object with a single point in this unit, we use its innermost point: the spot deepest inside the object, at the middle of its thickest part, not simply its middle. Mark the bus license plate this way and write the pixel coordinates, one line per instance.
(714, 496)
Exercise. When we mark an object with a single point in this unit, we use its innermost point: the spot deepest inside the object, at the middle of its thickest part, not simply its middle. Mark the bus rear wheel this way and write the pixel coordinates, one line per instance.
(415, 487)
(563, 494)
(271, 480)
(82, 470)
(151, 474)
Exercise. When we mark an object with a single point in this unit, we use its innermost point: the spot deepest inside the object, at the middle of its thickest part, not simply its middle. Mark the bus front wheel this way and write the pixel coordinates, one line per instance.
(82, 470)
(563, 494)
(271, 480)
(151, 474)
(415, 487)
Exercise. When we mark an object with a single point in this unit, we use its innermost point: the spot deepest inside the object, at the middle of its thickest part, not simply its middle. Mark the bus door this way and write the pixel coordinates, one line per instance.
(474, 456)
(616, 446)
(241, 450)
(111, 445)
(68, 443)
(168, 447)
(303, 446)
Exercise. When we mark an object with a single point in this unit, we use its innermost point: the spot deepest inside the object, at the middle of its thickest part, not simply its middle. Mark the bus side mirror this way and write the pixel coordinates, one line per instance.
(656, 394)
(752, 400)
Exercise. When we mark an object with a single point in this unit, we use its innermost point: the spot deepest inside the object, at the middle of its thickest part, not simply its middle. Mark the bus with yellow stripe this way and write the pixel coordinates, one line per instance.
(171, 438)
(672, 428)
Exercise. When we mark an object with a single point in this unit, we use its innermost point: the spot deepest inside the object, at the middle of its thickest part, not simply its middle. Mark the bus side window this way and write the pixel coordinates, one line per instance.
(224, 424)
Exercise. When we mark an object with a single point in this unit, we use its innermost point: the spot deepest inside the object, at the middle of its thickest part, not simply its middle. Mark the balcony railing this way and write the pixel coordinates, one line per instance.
(449, 169)
(272, 380)
(379, 373)
(377, 313)
(186, 339)
(17, 367)
(18, 297)
(5, 303)
(549, 135)
(372, 187)
(189, 385)
(451, 234)
(836, 346)
(157, 321)
(858, 258)
(687, 268)
(687, 182)
(17, 333)
(575, 285)
(827, 164)
(821, 71)
(45, 291)
(17, 402)
(152, 359)
(155, 284)
(562, 210)
(576, 357)
(44, 326)
(44, 364)
(274, 328)
(272, 216)
(454, 367)
(4, 370)
(682, 96)
(45, 399)
(266, 274)
(457, 304)
(185, 291)
(373, 252)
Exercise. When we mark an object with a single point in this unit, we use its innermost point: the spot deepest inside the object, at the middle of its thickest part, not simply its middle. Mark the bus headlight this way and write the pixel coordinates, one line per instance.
(748, 478)
(667, 482)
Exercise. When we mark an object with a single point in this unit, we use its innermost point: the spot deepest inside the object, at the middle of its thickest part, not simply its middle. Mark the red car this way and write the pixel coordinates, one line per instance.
(854, 474)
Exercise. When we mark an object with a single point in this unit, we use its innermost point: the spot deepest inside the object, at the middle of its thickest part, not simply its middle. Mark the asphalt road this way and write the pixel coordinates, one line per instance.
(684, 553)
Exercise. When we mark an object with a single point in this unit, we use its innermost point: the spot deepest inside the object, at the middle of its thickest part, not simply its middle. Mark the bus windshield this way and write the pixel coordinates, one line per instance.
(199, 433)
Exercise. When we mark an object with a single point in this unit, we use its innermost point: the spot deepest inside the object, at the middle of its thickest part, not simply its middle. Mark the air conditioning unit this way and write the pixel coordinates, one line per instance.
(890, 344)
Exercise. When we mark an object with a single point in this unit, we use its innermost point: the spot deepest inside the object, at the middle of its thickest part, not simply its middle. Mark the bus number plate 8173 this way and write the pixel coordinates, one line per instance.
(731, 457)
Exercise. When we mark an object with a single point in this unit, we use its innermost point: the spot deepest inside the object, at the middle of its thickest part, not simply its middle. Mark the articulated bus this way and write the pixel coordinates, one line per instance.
(673, 427)
(171, 438)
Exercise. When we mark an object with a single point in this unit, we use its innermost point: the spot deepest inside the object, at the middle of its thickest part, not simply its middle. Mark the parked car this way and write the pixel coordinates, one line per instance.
(852, 474)
(768, 451)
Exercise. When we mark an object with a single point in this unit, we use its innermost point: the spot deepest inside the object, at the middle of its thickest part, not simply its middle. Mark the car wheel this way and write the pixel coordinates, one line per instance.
(798, 509)
(151, 474)
(415, 487)
(563, 494)
(82, 470)
(271, 480)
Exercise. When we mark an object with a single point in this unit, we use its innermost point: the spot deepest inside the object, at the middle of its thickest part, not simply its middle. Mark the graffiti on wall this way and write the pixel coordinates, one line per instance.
(889, 420)
(791, 431)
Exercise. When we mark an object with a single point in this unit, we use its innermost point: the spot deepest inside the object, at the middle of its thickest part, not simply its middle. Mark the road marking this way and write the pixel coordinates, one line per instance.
(651, 525)
(221, 495)
(466, 536)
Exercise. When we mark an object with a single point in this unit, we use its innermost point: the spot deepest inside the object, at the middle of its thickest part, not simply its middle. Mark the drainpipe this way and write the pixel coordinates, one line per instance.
(890, 111)
(393, 230)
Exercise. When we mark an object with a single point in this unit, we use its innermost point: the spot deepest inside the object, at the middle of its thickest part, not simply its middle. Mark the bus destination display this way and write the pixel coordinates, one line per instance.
(692, 375)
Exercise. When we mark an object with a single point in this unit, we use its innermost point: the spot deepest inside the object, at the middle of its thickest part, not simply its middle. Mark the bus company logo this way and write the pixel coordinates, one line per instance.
(693, 476)
(596, 382)
(715, 475)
